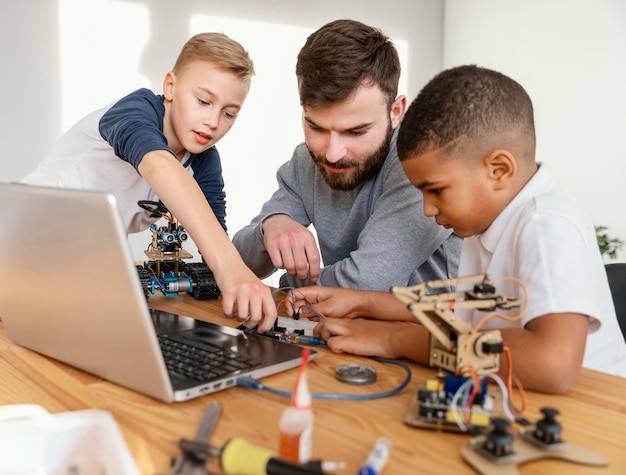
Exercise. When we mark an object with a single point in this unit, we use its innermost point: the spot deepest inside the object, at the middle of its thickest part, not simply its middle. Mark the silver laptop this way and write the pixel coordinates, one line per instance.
(70, 290)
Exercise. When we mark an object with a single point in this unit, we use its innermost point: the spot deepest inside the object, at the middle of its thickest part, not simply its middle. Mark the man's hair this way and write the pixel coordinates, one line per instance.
(219, 49)
(467, 103)
(341, 56)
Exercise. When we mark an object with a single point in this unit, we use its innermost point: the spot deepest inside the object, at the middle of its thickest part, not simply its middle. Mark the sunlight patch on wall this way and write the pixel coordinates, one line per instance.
(269, 125)
(273, 49)
(403, 53)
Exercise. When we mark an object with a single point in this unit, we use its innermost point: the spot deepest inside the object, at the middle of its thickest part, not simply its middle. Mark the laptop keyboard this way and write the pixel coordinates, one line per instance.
(201, 364)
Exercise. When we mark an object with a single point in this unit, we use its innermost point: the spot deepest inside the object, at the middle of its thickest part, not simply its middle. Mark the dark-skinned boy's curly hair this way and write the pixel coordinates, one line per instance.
(468, 104)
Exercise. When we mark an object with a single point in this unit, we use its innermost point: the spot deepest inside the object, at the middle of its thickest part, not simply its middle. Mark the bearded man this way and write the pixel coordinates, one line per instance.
(345, 180)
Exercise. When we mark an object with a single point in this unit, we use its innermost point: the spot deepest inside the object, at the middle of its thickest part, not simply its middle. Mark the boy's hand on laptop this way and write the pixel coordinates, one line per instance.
(247, 299)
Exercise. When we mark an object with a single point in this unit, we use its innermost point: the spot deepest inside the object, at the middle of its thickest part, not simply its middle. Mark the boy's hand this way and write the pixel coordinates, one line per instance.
(292, 247)
(327, 301)
(361, 336)
(247, 299)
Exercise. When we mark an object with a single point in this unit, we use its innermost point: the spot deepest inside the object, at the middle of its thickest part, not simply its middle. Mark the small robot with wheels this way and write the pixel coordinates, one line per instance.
(165, 270)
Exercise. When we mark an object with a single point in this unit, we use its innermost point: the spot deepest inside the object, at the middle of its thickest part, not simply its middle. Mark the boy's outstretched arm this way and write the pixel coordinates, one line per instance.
(547, 354)
(241, 290)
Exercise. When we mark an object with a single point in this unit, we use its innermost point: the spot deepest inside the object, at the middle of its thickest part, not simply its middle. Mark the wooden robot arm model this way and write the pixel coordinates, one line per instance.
(454, 345)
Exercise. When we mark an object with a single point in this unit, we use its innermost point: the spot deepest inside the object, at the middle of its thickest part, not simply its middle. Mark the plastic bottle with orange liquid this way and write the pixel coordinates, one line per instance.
(296, 421)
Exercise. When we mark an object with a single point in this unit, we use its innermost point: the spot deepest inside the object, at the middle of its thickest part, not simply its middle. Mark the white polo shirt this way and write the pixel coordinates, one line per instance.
(545, 239)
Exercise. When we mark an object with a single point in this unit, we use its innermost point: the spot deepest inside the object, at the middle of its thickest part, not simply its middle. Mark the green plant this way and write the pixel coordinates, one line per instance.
(608, 245)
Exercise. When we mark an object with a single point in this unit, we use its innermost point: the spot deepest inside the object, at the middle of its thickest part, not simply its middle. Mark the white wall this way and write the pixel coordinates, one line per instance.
(65, 58)
(570, 55)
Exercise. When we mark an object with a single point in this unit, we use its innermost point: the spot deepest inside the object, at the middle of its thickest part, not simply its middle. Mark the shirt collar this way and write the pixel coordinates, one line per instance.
(539, 183)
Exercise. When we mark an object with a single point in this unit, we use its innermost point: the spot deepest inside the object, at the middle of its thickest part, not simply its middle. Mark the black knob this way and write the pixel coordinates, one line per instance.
(484, 290)
(548, 430)
(499, 441)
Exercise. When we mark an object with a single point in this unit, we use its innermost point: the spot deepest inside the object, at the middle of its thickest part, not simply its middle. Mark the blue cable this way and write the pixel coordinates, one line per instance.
(251, 383)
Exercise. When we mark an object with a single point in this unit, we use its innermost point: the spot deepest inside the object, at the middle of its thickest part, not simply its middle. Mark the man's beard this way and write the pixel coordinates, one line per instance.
(366, 168)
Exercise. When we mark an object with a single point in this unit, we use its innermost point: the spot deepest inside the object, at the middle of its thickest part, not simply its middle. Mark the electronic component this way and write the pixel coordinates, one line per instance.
(547, 431)
(166, 271)
(455, 347)
(498, 443)
(290, 325)
(493, 452)
(435, 407)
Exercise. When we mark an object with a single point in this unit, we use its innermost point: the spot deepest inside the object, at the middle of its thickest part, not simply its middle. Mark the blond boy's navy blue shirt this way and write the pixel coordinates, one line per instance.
(103, 150)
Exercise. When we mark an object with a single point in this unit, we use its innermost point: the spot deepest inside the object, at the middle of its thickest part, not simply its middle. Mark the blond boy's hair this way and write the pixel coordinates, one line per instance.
(219, 49)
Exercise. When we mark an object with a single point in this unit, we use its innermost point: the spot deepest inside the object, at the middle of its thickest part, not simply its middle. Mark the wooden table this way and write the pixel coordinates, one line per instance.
(593, 412)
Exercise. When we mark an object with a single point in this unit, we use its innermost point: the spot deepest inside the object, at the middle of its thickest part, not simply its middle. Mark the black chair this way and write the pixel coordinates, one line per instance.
(617, 281)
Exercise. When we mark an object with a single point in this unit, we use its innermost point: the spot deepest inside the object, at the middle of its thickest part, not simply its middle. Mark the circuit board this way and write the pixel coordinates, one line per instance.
(433, 406)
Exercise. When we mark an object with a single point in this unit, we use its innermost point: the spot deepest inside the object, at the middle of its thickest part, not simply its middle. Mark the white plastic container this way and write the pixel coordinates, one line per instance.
(88, 442)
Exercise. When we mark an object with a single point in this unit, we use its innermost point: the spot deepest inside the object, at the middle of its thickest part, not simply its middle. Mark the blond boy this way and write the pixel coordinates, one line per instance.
(162, 147)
